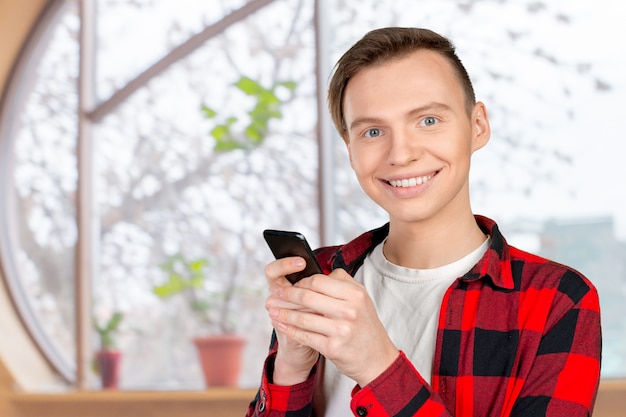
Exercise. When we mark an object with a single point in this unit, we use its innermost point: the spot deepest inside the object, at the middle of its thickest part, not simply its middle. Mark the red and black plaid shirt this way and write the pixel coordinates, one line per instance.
(518, 335)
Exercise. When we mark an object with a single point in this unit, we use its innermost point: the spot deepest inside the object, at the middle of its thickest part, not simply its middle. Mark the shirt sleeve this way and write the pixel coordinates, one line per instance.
(565, 375)
(400, 390)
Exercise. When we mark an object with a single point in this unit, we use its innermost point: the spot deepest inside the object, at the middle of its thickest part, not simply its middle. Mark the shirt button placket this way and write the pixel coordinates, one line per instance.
(262, 401)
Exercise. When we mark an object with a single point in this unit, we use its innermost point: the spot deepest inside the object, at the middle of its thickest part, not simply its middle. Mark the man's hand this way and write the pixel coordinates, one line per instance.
(335, 316)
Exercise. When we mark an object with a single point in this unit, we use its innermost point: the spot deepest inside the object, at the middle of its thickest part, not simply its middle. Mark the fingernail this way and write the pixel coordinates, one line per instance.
(299, 262)
(273, 312)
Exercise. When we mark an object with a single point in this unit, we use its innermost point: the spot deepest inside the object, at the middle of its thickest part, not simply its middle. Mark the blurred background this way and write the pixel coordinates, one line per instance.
(145, 145)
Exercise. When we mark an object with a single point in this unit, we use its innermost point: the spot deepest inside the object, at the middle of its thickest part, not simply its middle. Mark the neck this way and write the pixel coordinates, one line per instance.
(432, 243)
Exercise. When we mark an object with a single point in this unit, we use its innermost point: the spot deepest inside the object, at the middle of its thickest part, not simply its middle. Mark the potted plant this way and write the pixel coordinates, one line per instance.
(210, 300)
(107, 357)
(219, 348)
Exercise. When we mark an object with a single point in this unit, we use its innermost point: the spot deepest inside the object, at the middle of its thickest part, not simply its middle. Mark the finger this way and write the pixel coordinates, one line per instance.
(304, 328)
(338, 285)
(276, 270)
(274, 301)
(302, 295)
(304, 320)
(316, 312)
(300, 336)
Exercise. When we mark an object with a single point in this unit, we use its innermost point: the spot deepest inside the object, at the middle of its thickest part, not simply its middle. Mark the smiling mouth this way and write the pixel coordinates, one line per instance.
(411, 182)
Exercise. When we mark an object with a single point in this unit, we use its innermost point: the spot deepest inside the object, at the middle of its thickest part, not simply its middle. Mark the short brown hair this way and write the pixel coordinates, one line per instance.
(382, 45)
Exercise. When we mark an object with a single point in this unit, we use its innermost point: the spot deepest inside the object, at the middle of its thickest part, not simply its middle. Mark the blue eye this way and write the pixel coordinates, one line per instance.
(428, 121)
(373, 133)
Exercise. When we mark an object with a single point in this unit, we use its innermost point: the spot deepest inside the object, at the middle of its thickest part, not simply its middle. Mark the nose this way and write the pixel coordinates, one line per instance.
(404, 148)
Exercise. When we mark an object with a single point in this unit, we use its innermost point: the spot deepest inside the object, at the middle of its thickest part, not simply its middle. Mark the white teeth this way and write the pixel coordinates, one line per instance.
(410, 182)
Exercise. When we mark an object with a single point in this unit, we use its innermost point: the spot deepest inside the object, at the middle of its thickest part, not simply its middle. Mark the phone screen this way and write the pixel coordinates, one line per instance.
(283, 244)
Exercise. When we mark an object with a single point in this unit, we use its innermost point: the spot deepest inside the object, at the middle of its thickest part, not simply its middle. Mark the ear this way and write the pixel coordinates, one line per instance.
(346, 140)
(481, 130)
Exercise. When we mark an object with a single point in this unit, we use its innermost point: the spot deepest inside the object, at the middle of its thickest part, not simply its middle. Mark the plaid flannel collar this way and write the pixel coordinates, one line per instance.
(494, 265)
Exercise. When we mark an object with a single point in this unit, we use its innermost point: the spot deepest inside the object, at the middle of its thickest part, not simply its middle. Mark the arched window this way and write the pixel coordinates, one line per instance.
(194, 127)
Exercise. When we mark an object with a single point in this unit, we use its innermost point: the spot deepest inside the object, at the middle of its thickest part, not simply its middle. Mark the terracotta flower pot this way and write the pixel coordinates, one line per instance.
(221, 357)
(109, 367)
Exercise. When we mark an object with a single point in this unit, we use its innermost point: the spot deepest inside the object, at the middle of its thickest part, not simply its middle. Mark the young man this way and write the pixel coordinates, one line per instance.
(433, 314)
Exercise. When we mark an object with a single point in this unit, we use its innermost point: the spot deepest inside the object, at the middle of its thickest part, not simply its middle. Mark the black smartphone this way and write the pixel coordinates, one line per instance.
(283, 244)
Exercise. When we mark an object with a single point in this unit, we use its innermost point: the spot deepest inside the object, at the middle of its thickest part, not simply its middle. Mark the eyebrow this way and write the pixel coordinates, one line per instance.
(410, 114)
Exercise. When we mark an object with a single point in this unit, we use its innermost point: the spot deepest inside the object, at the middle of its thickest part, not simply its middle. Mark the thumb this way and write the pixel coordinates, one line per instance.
(341, 274)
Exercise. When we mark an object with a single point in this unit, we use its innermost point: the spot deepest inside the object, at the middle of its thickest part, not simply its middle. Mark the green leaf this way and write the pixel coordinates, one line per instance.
(198, 264)
(253, 134)
(290, 85)
(174, 285)
(268, 100)
(115, 321)
(219, 132)
(227, 145)
(209, 113)
(249, 86)
(107, 330)
(267, 107)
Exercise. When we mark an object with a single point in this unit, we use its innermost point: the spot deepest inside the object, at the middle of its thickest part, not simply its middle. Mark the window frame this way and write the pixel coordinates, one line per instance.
(32, 50)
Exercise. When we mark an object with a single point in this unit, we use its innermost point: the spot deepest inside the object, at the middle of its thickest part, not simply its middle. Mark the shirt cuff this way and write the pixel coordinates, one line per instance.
(284, 398)
(398, 384)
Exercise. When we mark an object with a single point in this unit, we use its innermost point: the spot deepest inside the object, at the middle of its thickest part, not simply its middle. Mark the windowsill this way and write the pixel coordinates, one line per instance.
(216, 402)
(611, 400)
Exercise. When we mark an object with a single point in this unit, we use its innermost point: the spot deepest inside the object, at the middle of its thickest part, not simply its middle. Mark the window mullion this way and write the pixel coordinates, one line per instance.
(326, 195)
(85, 247)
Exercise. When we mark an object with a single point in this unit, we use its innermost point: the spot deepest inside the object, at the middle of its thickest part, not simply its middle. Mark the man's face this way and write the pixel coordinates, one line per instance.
(410, 138)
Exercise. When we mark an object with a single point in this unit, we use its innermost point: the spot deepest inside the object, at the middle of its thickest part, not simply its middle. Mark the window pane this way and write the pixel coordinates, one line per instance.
(165, 188)
(132, 35)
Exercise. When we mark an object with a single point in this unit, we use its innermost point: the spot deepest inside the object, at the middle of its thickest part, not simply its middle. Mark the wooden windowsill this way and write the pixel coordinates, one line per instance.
(215, 402)
(611, 400)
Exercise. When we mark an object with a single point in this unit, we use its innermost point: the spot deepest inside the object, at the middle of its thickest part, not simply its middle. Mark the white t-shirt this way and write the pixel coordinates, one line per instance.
(408, 303)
